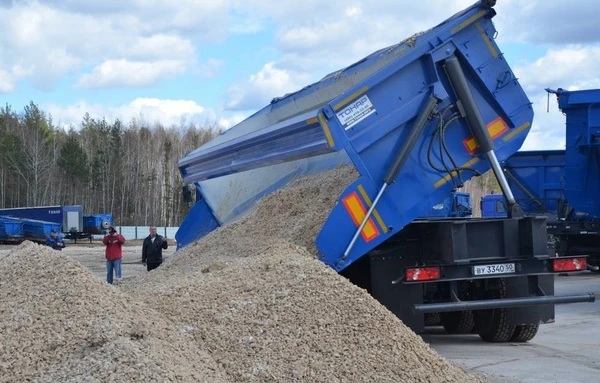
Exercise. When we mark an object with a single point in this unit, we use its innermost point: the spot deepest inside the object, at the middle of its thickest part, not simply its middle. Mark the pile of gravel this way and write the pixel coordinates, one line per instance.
(248, 303)
(59, 323)
(254, 295)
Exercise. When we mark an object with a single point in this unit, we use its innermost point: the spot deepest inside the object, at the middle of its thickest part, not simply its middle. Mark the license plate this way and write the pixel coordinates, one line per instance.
(502, 268)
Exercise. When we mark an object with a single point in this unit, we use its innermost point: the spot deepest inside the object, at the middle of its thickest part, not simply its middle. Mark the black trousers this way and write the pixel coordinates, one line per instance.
(152, 265)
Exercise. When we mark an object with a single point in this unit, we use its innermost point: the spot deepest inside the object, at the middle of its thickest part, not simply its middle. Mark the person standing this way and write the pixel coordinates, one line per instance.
(152, 249)
(114, 253)
(55, 241)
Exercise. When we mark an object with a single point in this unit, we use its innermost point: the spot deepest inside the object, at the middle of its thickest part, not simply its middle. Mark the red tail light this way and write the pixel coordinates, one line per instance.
(571, 264)
(423, 274)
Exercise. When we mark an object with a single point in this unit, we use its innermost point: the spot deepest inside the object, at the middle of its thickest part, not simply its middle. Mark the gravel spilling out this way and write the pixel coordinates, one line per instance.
(255, 296)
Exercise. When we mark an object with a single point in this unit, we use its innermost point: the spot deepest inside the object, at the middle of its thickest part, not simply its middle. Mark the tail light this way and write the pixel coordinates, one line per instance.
(423, 274)
(569, 264)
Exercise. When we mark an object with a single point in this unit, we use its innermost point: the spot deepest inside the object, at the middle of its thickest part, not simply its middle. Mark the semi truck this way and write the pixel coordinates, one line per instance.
(562, 185)
(416, 120)
(67, 219)
(457, 204)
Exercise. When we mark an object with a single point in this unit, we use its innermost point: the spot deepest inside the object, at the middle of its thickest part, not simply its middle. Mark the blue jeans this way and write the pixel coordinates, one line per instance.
(110, 266)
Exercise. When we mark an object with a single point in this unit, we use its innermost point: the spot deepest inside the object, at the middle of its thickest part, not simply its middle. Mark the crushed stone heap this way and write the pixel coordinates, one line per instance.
(254, 295)
(58, 323)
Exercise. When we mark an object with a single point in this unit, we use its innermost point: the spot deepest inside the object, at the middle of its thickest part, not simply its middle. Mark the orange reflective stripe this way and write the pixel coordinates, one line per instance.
(357, 212)
(496, 128)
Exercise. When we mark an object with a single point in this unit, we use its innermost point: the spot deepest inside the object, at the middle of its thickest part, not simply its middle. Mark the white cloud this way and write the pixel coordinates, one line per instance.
(572, 68)
(270, 82)
(549, 22)
(117, 73)
(317, 38)
(148, 110)
(563, 67)
(7, 82)
(57, 38)
(210, 68)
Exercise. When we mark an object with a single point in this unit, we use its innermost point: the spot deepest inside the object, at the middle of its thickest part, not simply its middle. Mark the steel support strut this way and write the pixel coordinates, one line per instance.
(479, 129)
(399, 160)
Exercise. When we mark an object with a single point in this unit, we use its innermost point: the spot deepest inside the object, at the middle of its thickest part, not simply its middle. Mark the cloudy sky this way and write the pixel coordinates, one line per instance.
(221, 60)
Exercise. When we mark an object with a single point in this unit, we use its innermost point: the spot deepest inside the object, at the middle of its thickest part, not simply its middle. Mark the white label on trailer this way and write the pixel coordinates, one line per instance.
(357, 111)
(504, 268)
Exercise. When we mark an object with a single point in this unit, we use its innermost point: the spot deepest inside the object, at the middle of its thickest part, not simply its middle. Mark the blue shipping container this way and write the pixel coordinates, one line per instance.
(69, 217)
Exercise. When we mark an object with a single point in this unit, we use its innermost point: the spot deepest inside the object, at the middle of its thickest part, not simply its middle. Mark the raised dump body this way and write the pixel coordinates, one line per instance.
(416, 120)
(385, 114)
(563, 185)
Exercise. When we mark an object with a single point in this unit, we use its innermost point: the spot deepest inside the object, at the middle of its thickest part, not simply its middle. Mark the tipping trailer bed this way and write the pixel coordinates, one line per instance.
(366, 115)
(416, 120)
(563, 185)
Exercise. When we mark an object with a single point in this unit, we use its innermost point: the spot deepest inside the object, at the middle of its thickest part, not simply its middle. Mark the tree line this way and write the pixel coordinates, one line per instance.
(126, 169)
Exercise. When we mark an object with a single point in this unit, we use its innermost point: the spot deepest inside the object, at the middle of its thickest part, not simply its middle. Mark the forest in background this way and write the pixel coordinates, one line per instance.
(128, 170)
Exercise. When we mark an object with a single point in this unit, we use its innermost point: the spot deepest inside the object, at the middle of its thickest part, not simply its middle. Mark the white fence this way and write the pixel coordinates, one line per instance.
(141, 232)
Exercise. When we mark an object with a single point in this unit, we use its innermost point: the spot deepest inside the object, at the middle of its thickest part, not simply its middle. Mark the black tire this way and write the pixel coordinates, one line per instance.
(458, 322)
(525, 333)
(491, 324)
(432, 319)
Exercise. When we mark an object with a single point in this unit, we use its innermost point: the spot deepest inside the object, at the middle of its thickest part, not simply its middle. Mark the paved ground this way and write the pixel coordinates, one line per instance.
(565, 351)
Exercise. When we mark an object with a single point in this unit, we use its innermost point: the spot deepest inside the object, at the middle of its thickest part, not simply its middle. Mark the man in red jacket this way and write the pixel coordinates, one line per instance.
(113, 242)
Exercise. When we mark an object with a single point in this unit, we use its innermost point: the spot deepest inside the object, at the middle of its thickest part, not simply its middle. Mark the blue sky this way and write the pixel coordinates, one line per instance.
(218, 61)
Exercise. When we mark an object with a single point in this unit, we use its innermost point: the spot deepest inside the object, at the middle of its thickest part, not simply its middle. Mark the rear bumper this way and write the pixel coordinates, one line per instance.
(503, 303)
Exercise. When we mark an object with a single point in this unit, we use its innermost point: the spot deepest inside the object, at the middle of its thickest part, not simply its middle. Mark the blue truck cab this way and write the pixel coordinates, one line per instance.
(493, 205)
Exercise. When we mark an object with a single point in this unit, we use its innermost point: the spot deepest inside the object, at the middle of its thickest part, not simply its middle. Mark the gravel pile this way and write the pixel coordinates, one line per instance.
(247, 303)
(254, 296)
(59, 323)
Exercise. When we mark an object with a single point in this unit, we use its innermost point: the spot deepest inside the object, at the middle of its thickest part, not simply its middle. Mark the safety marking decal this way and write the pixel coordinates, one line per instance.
(365, 196)
(469, 21)
(516, 131)
(486, 40)
(347, 100)
(357, 212)
(496, 128)
(325, 127)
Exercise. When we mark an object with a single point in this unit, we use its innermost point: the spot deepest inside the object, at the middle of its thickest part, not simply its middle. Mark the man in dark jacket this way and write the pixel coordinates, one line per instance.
(55, 241)
(152, 249)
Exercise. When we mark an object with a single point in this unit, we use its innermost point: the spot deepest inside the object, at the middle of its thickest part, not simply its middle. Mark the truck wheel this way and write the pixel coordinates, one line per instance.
(525, 333)
(432, 319)
(458, 322)
(491, 324)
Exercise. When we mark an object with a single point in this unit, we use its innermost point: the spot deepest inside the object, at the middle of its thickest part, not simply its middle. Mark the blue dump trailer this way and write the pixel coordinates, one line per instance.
(37, 230)
(562, 185)
(15, 230)
(416, 120)
(11, 229)
(97, 223)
